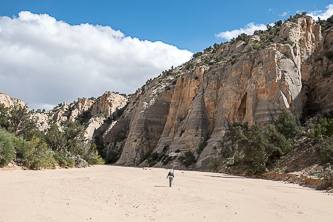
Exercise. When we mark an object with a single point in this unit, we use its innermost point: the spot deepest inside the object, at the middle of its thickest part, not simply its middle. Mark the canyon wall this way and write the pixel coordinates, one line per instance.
(192, 108)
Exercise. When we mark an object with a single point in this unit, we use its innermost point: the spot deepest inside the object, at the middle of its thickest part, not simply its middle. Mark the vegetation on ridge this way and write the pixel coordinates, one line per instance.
(255, 149)
(21, 141)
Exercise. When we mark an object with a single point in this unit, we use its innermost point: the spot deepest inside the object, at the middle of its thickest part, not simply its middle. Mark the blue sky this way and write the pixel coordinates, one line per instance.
(56, 51)
(187, 24)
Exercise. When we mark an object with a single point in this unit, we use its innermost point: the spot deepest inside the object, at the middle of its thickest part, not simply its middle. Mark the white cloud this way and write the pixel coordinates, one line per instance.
(322, 15)
(283, 14)
(249, 30)
(45, 61)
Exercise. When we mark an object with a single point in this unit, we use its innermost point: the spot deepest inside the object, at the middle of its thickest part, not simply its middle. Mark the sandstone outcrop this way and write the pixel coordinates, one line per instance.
(173, 115)
(42, 120)
(108, 104)
(94, 123)
(191, 107)
(7, 101)
(97, 111)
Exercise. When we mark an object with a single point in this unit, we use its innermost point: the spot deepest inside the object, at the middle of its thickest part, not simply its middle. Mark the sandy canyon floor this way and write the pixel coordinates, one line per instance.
(111, 193)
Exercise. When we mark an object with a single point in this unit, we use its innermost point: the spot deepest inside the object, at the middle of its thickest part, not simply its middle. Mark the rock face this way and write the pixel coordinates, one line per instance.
(42, 120)
(173, 115)
(190, 108)
(317, 72)
(108, 104)
(7, 101)
(94, 123)
(97, 111)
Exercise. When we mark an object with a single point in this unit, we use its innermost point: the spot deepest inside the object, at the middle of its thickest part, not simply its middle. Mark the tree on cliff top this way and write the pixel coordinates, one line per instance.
(16, 119)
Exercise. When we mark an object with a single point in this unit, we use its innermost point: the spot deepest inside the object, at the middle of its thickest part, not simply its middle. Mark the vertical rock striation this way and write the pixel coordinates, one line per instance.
(176, 115)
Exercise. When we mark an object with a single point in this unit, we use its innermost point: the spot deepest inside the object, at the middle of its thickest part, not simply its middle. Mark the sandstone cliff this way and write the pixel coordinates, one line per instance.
(190, 107)
(7, 101)
(96, 110)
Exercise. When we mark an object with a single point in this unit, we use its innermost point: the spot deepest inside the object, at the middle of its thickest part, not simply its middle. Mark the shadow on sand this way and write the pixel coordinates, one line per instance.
(227, 177)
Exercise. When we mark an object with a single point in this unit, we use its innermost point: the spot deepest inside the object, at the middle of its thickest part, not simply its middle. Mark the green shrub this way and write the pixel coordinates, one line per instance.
(326, 153)
(112, 156)
(208, 49)
(323, 128)
(216, 47)
(286, 125)
(256, 46)
(80, 162)
(227, 150)
(91, 156)
(7, 149)
(16, 119)
(197, 54)
(84, 117)
(63, 161)
(41, 157)
(278, 23)
(244, 37)
(258, 148)
(277, 169)
(34, 154)
(279, 144)
(189, 65)
(188, 159)
(244, 51)
(330, 19)
(147, 155)
(255, 155)
(219, 59)
(328, 173)
(165, 148)
(214, 163)
(233, 161)
(167, 160)
(236, 55)
(70, 139)
(152, 163)
(154, 156)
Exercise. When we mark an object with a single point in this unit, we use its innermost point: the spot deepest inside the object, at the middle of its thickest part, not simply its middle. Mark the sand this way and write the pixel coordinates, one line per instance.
(111, 193)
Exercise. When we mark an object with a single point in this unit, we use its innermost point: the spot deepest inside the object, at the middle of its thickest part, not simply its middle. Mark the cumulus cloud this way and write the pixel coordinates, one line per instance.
(323, 15)
(249, 30)
(283, 14)
(45, 61)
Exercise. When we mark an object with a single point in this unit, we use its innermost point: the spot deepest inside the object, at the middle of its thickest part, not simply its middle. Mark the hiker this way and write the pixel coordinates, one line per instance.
(171, 175)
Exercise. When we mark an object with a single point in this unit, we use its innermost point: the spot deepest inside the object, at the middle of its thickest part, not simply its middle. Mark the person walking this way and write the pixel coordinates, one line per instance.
(171, 175)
